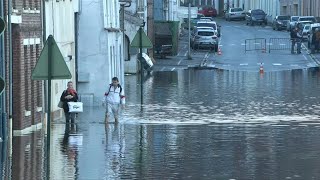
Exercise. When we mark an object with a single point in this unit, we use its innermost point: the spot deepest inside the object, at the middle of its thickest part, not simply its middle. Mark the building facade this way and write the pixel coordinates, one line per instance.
(23, 44)
(290, 7)
(310, 8)
(100, 49)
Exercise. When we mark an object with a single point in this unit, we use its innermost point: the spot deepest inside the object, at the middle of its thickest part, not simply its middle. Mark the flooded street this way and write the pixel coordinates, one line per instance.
(193, 124)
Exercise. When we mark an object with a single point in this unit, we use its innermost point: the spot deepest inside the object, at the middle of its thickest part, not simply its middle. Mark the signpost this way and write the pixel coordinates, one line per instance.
(51, 65)
(2, 86)
(141, 41)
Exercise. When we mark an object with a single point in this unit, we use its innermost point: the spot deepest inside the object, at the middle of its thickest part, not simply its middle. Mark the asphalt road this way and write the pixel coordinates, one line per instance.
(233, 55)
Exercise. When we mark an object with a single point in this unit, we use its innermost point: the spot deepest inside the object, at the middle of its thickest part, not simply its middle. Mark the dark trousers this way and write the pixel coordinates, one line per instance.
(70, 116)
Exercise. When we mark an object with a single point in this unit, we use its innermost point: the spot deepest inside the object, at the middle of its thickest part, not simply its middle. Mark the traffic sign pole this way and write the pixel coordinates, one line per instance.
(49, 106)
(141, 66)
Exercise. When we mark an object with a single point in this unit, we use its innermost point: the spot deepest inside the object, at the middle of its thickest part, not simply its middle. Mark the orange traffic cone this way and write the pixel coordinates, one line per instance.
(219, 51)
(261, 68)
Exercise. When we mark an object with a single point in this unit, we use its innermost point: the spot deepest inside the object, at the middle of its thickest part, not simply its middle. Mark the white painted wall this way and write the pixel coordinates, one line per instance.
(100, 50)
(60, 23)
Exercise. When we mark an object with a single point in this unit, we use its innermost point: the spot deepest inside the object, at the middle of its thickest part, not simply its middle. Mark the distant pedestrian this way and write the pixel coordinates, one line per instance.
(299, 39)
(114, 99)
(69, 95)
(294, 38)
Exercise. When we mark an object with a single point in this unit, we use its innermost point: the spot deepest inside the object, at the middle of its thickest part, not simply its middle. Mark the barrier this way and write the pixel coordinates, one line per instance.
(256, 44)
(279, 44)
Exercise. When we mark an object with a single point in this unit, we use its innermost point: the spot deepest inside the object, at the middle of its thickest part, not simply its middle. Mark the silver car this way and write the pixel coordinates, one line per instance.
(204, 37)
(235, 13)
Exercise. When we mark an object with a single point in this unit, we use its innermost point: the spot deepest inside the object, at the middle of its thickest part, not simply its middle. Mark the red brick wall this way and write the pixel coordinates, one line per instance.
(26, 93)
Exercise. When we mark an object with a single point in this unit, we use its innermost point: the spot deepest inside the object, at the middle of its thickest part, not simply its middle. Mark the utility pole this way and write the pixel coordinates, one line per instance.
(189, 31)
(141, 65)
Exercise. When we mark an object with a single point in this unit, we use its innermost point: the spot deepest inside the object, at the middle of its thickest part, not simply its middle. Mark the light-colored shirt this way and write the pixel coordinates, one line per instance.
(114, 96)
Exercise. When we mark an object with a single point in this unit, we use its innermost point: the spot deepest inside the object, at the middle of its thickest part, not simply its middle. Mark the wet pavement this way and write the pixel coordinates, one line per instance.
(193, 124)
(233, 55)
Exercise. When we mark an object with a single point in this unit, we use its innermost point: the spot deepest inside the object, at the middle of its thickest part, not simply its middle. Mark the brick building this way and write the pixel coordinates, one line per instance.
(26, 25)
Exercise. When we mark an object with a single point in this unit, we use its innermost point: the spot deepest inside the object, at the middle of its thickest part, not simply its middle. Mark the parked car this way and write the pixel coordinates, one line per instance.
(235, 13)
(208, 11)
(307, 18)
(193, 22)
(256, 16)
(212, 24)
(301, 24)
(206, 18)
(204, 37)
(292, 22)
(306, 32)
(280, 22)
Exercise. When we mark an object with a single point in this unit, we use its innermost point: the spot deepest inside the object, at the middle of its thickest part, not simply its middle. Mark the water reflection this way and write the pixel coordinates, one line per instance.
(27, 156)
(64, 158)
(213, 96)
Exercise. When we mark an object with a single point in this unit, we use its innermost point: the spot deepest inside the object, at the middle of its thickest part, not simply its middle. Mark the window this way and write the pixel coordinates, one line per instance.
(126, 47)
(26, 78)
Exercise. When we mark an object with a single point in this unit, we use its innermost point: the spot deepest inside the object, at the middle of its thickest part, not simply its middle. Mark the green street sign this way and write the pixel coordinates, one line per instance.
(2, 25)
(146, 43)
(2, 85)
(59, 68)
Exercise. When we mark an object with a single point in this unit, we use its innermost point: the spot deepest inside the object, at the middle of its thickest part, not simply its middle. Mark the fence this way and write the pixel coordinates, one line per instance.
(279, 44)
(255, 44)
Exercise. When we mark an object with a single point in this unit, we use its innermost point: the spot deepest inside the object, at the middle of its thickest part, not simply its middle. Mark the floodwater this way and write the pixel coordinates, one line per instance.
(193, 124)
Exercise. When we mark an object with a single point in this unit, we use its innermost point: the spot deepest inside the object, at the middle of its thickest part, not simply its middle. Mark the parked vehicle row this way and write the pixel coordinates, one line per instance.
(205, 34)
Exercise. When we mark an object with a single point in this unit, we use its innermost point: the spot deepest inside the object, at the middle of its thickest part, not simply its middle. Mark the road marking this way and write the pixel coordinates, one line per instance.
(277, 64)
(162, 69)
(244, 64)
(232, 44)
(185, 54)
(173, 69)
(294, 65)
(305, 57)
(179, 62)
(243, 44)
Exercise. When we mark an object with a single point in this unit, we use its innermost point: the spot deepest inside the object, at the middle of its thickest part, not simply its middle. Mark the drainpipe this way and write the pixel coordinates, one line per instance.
(10, 57)
(44, 38)
(76, 30)
(310, 8)
(299, 6)
(3, 74)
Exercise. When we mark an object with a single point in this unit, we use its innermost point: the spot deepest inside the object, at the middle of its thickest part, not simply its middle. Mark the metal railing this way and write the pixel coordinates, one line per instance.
(256, 44)
(279, 44)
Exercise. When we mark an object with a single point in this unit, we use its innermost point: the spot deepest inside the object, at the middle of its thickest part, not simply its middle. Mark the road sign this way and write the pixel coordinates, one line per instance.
(2, 25)
(59, 68)
(2, 85)
(146, 43)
